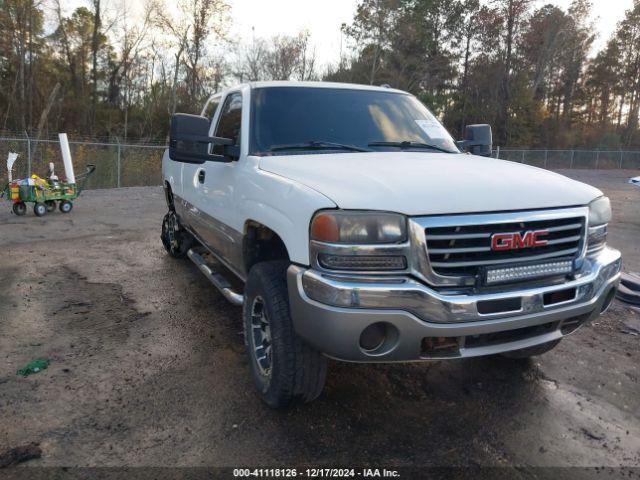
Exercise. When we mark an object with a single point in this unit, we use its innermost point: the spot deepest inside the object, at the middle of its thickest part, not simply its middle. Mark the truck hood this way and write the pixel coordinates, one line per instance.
(420, 183)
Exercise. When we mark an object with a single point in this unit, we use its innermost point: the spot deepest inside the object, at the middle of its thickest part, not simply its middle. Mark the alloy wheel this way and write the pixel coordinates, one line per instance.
(261, 336)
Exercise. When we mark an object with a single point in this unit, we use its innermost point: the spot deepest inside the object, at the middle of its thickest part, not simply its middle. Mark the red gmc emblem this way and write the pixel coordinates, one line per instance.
(517, 240)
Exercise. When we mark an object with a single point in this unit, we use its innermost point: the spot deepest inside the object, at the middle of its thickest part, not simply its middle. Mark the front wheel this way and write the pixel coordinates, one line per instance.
(532, 351)
(284, 368)
(176, 240)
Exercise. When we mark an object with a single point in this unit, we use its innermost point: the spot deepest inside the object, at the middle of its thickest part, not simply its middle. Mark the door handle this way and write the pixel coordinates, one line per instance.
(201, 175)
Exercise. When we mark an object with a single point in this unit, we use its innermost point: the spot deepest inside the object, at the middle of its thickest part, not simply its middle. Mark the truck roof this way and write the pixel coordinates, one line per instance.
(289, 83)
(346, 86)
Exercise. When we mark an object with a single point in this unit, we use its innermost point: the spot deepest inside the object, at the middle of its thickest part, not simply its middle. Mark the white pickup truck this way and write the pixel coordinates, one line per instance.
(349, 224)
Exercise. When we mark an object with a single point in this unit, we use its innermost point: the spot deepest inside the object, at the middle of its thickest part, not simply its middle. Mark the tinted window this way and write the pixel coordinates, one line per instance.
(294, 115)
(230, 121)
(212, 106)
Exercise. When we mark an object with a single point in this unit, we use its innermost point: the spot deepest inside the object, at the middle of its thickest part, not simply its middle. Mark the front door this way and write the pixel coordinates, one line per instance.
(216, 188)
(192, 181)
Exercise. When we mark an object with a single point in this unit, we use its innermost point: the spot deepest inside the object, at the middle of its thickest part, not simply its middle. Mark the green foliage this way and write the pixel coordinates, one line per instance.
(49, 81)
(526, 71)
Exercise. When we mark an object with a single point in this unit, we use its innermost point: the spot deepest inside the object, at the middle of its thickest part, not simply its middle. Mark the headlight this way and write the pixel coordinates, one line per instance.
(359, 241)
(599, 212)
(599, 216)
(358, 228)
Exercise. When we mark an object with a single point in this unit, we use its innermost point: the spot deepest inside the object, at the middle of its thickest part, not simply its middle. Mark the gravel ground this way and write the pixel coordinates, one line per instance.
(148, 366)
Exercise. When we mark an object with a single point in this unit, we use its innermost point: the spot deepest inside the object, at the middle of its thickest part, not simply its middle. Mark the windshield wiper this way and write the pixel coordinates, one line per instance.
(317, 145)
(407, 144)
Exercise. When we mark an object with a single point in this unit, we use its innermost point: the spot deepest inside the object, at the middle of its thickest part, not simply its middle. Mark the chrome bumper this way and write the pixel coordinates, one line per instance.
(331, 312)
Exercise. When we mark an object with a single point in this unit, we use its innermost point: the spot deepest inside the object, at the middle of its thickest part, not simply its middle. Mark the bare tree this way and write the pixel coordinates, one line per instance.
(372, 28)
(191, 24)
(64, 40)
(251, 59)
(95, 44)
(207, 17)
(306, 58)
(17, 22)
(290, 57)
(513, 12)
(45, 114)
(130, 42)
(179, 30)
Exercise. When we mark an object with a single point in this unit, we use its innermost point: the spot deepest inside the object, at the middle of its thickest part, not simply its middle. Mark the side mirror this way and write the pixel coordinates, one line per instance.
(478, 140)
(189, 140)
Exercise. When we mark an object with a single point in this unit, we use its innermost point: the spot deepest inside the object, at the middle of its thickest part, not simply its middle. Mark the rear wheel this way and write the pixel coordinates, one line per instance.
(284, 368)
(532, 351)
(51, 205)
(176, 240)
(19, 208)
(40, 209)
(65, 206)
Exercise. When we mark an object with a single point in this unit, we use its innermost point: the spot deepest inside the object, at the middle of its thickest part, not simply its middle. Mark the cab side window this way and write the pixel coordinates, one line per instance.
(230, 121)
(212, 106)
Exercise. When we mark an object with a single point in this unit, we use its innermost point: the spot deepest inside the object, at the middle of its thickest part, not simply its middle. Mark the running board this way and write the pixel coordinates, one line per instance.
(218, 280)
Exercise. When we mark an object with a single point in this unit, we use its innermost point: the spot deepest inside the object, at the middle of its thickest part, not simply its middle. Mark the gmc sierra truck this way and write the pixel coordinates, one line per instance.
(349, 224)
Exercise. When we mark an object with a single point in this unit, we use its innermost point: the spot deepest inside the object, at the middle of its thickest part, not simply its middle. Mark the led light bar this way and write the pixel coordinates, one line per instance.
(528, 272)
(362, 262)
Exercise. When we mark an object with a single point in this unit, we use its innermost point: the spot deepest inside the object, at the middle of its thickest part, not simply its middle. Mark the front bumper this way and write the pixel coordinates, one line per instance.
(331, 313)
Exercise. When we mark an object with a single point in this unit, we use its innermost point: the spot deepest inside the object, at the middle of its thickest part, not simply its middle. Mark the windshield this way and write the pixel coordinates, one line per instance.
(286, 119)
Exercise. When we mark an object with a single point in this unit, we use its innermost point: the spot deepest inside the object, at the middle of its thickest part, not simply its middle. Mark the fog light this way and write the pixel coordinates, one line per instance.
(528, 272)
(373, 336)
(362, 262)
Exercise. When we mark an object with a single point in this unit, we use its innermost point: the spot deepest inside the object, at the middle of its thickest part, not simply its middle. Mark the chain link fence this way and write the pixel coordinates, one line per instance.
(117, 165)
(572, 159)
(132, 165)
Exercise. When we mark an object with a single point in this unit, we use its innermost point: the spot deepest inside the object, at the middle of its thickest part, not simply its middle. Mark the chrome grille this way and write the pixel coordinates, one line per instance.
(461, 250)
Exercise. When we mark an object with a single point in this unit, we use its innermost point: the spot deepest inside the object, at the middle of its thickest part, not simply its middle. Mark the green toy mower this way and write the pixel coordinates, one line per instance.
(46, 193)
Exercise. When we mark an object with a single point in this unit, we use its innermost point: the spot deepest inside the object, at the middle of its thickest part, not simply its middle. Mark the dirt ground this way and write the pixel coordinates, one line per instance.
(148, 365)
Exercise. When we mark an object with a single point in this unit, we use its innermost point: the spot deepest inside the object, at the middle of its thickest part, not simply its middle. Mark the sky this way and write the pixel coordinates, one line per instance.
(607, 13)
(323, 19)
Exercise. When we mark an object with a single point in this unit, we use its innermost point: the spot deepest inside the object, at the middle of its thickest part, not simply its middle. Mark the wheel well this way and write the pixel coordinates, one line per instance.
(168, 195)
(261, 244)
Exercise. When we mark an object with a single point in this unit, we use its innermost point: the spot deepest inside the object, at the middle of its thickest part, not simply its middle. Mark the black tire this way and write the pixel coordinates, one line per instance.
(65, 206)
(631, 281)
(295, 372)
(51, 205)
(628, 295)
(532, 351)
(176, 240)
(40, 209)
(19, 208)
